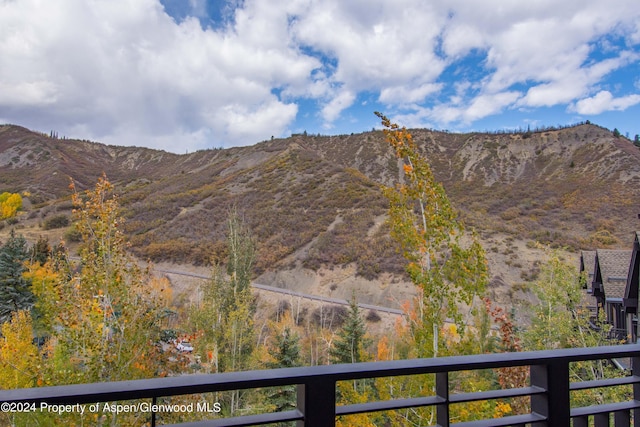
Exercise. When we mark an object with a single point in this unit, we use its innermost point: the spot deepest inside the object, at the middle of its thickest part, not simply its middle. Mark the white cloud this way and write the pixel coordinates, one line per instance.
(372, 44)
(126, 72)
(331, 111)
(408, 94)
(604, 101)
(489, 104)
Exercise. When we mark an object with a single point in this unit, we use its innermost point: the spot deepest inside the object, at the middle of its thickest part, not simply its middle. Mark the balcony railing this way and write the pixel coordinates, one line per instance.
(549, 390)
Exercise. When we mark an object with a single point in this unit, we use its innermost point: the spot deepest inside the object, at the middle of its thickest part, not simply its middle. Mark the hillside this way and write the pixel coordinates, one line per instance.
(314, 202)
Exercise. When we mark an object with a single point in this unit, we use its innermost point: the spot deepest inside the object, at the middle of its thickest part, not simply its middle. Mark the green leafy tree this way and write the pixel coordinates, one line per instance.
(446, 264)
(561, 320)
(110, 311)
(102, 315)
(446, 271)
(225, 314)
(15, 290)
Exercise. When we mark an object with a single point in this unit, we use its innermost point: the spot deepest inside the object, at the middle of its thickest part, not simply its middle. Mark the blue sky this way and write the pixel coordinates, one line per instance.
(182, 75)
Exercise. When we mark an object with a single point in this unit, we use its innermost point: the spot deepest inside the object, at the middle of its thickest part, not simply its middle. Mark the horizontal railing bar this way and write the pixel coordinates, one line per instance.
(495, 394)
(247, 420)
(504, 421)
(388, 405)
(610, 382)
(194, 384)
(605, 408)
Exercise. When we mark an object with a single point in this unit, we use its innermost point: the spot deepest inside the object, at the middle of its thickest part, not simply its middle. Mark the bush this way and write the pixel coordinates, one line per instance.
(510, 213)
(373, 316)
(603, 237)
(73, 235)
(58, 221)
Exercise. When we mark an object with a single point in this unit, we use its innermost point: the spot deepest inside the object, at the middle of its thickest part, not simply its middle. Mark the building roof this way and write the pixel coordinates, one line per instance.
(611, 269)
(633, 279)
(588, 263)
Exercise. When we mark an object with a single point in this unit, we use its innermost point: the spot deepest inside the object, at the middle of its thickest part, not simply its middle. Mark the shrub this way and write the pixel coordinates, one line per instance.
(58, 221)
(510, 213)
(603, 237)
(72, 235)
(373, 316)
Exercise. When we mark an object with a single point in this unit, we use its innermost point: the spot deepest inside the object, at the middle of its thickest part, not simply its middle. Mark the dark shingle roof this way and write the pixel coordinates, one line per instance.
(588, 262)
(614, 268)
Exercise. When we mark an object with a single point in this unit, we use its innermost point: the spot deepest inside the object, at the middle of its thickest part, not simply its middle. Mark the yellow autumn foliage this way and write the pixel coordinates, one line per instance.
(18, 355)
(10, 204)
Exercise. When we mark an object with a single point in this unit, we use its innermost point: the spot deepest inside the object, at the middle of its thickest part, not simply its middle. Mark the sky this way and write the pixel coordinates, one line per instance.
(183, 75)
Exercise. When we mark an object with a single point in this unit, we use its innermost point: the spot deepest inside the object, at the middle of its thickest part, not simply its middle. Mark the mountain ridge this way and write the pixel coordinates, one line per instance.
(314, 202)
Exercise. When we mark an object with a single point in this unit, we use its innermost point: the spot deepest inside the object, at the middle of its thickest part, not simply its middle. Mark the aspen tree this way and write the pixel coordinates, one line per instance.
(446, 272)
(224, 316)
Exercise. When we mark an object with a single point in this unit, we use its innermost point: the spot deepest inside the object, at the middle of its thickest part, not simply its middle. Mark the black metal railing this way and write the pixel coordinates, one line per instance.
(549, 390)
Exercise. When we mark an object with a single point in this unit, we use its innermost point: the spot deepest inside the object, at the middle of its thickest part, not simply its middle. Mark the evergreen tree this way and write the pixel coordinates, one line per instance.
(287, 356)
(288, 350)
(15, 290)
(350, 343)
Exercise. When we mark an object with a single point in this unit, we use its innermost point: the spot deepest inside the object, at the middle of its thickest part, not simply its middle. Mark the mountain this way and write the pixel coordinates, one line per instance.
(314, 202)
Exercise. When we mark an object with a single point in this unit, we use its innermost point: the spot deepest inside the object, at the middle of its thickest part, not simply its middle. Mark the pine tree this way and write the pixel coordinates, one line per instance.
(15, 290)
(288, 350)
(349, 347)
(287, 355)
(350, 342)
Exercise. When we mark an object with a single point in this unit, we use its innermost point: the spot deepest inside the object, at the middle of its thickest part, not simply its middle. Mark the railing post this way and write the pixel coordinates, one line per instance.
(622, 418)
(555, 403)
(442, 391)
(317, 401)
(635, 370)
